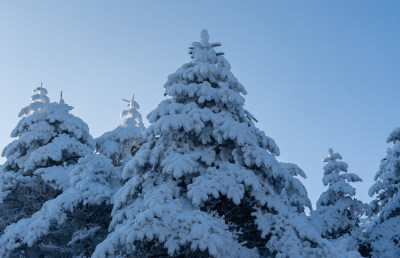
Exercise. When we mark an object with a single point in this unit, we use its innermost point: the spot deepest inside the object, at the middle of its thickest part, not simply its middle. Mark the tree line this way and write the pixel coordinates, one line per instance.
(202, 180)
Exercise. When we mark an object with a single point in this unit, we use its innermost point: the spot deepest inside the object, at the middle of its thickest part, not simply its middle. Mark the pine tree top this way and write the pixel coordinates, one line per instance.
(203, 51)
(207, 68)
(38, 101)
(132, 116)
(51, 136)
(122, 142)
(333, 163)
(336, 176)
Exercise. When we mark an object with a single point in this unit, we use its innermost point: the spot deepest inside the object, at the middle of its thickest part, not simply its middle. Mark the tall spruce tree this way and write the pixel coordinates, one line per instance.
(206, 182)
(123, 142)
(42, 173)
(385, 232)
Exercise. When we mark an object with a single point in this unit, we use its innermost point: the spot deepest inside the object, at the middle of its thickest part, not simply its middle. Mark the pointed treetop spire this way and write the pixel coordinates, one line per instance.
(203, 51)
(132, 102)
(204, 38)
(63, 104)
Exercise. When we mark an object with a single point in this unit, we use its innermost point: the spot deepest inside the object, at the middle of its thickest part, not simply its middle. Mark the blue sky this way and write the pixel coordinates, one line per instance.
(319, 74)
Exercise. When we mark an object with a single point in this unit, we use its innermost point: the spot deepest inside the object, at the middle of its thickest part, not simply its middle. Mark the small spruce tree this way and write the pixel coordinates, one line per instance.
(338, 212)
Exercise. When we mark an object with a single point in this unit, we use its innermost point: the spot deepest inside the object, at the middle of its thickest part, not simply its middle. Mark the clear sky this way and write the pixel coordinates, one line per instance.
(319, 74)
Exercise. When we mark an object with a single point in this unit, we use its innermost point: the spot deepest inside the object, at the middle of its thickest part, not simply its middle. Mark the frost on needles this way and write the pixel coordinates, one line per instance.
(206, 181)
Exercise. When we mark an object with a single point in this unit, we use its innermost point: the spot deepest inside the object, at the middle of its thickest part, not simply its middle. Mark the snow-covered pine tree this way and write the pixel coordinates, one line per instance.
(21, 192)
(339, 210)
(122, 143)
(37, 172)
(385, 234)
(206, 182)
(338, 213)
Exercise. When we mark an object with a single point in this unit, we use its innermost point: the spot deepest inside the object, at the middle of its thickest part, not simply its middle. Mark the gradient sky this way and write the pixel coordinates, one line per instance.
(319, 74)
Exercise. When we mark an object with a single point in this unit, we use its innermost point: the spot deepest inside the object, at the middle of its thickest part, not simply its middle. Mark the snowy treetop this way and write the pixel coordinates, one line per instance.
(333, 167)
(203, 51)
(333, 163)
(121, 143)
(205, 91)
(40, 90)
(132, 116)
(55, 113)
(38, 100)
(53, 135)
(207, 65)
(338, 182)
